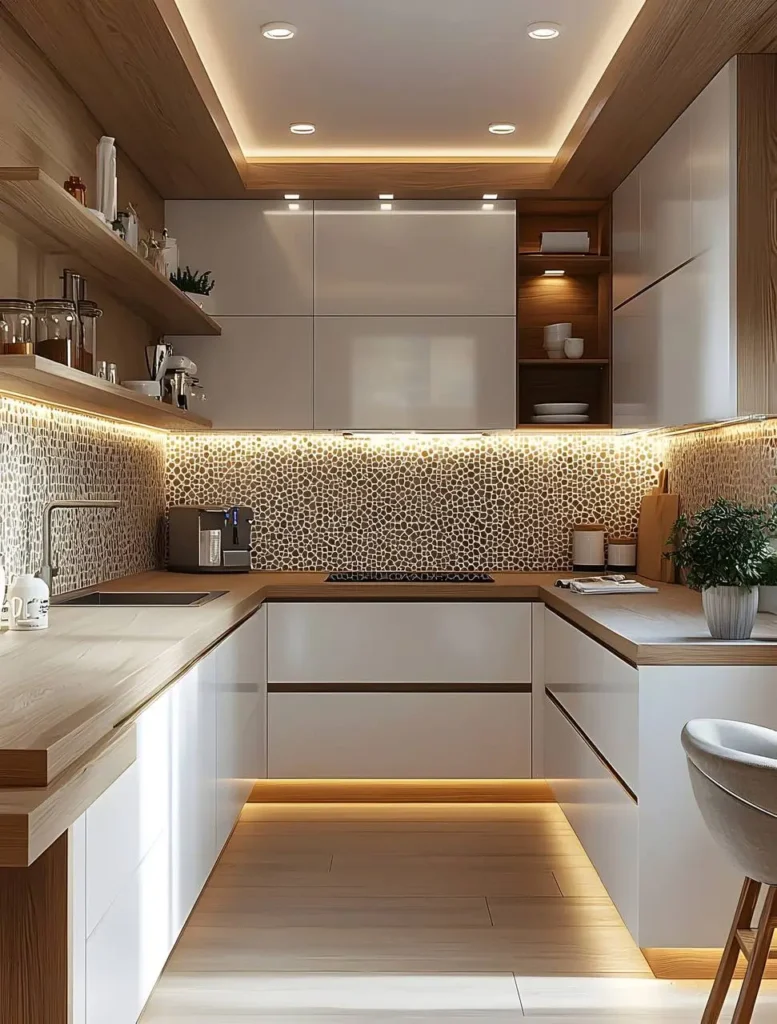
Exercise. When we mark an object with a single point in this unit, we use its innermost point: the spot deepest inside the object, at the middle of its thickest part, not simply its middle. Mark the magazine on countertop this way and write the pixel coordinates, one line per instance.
(615, 584)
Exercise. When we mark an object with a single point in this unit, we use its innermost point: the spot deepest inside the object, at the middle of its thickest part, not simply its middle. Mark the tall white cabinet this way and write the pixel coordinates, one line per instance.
(143, 851)
(674, 271)
(348, 316)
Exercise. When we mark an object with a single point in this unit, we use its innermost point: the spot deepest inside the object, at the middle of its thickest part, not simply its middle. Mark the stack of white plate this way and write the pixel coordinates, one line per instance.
(560, 412)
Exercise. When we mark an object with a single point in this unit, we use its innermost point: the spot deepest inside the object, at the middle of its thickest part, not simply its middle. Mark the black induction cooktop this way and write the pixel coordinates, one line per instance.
(409, 577)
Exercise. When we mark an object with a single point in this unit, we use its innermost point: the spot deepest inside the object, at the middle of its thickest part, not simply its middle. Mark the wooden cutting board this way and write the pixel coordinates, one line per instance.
(657, 515)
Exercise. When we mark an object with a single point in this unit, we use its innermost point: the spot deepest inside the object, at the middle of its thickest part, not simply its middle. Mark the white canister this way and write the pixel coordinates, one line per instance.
(3, 609)
(622, 554)
(574, 348)
(28, 603)
(588, 547)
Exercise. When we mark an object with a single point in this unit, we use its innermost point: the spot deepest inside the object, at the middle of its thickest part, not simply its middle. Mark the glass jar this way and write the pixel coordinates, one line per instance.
(58, 331)
(90, 313)
(17, 327)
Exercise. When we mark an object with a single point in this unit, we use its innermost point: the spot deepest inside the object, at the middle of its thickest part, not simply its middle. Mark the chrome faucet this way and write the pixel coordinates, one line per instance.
(47, 570)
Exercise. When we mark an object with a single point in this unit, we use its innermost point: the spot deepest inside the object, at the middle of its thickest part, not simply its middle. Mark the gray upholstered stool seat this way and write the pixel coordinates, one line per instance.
(733, 769)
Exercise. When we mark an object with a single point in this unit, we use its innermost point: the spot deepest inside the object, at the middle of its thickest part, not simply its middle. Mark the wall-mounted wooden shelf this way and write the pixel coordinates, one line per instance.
(538, 263)
(33, 378)
(33, 204)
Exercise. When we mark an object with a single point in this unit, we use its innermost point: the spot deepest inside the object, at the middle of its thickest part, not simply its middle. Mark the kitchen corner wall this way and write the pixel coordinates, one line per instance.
(47, 453)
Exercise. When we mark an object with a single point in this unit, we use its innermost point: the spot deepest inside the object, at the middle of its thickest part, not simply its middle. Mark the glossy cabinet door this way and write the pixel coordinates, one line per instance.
(713, 151)
(385, 735)
(193, 801)
(258, 375)
(260, 253)
(665, 203)
(399, 642)
(628, 274)
(241, 699)
(420, 258)
(635, 375)
(415, 373)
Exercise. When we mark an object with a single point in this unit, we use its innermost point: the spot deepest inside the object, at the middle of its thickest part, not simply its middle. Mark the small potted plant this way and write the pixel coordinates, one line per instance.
(722, 550)
(197, 286)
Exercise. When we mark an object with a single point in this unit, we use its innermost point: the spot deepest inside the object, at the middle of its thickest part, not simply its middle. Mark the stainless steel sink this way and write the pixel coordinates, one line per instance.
(136, 599)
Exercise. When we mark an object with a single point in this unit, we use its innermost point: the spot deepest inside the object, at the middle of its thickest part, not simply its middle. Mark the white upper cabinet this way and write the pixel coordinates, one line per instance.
(628, 275)
(419, 258)
(259, 374)
(674, 242)
(665, 203)
(415, 373)
(260, 253)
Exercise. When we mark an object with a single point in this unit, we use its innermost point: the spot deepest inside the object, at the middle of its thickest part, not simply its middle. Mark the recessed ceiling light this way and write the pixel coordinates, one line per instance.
(302, 128)
(490, 195)
(487, 206)
(385, 206)
(291, 195)
(544, 30)
(501, 128)
(386, 195)
(279, 30)
(554, 273)
(293, 206)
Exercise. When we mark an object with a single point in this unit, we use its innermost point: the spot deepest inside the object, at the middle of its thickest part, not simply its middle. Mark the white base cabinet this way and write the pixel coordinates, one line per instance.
(399, 690)
(143, 851)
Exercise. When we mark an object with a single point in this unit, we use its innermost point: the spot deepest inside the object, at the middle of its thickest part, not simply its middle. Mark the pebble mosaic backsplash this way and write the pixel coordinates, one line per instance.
(738, 462)
(499, 502)
(47, 454)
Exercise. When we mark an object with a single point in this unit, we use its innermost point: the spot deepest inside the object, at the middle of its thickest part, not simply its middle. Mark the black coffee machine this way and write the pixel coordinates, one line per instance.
(206, 539)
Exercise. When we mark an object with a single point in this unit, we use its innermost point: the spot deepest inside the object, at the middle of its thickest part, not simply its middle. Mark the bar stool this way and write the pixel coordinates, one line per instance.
(733, 769)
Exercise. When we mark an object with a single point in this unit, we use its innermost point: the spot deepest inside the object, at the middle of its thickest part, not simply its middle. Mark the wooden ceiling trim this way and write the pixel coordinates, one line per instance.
(672, 51)
(130, 63)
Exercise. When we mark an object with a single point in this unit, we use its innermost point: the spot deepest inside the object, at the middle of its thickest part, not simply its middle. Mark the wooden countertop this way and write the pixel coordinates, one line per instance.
(66, 691)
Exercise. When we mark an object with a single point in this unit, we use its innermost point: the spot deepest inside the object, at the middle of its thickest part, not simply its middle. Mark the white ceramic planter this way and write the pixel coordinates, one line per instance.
(205, 302)
(730, 611)
(767, 599)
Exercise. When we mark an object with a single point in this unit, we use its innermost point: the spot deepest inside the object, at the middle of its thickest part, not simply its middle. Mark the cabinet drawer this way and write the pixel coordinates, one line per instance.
(124, 822)
(402, 642)
(399, 735)
(600, 692)
(601, 812)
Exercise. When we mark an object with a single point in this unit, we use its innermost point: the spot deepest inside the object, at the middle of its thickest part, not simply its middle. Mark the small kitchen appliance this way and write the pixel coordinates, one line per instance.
(206, 539)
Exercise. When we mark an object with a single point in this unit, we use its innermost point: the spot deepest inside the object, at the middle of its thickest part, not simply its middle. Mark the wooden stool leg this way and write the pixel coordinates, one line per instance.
(757, 964)
(743, 918)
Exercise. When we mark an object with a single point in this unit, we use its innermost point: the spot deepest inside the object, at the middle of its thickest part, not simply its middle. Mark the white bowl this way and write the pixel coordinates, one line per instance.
(557, 331)
(560, 419)
(560, 408)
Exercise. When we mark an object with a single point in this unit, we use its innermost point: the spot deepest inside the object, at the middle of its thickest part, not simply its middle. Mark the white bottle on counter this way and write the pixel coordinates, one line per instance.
(3, 609)
(28, 603)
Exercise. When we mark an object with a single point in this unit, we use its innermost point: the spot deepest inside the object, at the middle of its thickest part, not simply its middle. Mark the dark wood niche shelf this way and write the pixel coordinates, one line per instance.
(538, 263)
(35, 379)
(35, 206)
(564, 363)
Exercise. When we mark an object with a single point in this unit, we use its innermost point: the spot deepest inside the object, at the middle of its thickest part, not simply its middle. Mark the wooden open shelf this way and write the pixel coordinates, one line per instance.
(538, 263)
(33, 378)
(565, 363)
(33, 204)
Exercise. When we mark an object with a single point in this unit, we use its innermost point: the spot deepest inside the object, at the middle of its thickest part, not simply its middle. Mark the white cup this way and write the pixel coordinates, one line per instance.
(573, 348)
(28, 603)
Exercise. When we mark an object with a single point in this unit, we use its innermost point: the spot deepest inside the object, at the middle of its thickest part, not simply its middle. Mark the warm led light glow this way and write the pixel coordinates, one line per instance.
(544, 30)
(291, 195)
(554, 273)
(386, 206)
(53, 414)
(293, 206)
(490, 195)
(501, 128)
(302, 128)
(279, 30)
(386, 195)
(487, 206)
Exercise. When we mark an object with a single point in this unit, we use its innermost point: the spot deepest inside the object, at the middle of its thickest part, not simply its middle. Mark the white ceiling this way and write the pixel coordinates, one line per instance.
(405, 78)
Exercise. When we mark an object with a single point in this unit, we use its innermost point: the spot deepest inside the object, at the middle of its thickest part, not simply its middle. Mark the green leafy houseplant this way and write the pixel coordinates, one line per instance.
(723, 550)
(191, 281)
